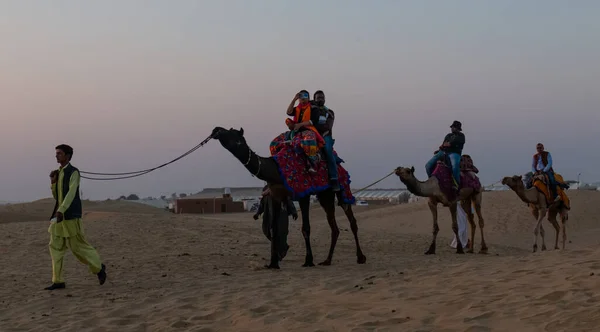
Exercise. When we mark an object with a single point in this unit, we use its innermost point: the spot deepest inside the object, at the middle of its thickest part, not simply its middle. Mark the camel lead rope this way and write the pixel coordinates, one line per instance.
(374, 183)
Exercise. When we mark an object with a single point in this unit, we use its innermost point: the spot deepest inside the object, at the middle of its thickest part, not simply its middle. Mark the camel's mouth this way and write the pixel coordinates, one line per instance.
(217, 132)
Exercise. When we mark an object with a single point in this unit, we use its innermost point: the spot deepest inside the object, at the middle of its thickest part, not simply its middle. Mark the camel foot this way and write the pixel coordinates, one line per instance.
(484, 251)
(470, 251)
(534, 247)
(460, 251)
(557, 248)
(308, 264)
(326, 262)
(543, 247)
(431, 250)
(361, 259)
(272, 266)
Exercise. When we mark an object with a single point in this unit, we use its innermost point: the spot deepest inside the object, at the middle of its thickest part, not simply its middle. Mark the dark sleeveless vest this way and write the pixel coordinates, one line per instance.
(544, 156)
(75, 210)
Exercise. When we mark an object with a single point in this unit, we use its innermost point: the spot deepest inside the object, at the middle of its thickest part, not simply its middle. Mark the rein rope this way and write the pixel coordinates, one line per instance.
(128, 175)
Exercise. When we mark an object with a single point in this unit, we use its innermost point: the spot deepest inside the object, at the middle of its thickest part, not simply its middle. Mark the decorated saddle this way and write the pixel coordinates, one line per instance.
(289, 154)
(541, 184)
(468, 177)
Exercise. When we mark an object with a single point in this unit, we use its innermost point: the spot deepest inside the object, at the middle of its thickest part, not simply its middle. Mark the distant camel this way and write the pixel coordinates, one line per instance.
(267, 170)
(432, 190)
(537, 202)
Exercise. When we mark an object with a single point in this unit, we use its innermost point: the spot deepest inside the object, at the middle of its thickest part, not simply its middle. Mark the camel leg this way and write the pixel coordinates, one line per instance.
(466, 206)
(433, 207)
(274, 264)
(552, 219)
(327, 201)
(360, 257)
(540, 213)
(477, 202)
(534, 211)
(542, 233)
(459, 247)
(304, 209)
(564, 217)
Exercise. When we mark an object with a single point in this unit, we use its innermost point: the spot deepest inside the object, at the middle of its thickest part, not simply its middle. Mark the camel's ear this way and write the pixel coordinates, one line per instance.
(412, 169)
(241, 131)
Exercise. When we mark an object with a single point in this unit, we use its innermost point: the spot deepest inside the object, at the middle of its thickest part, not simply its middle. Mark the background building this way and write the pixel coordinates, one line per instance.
(220, 200)
(383, 196)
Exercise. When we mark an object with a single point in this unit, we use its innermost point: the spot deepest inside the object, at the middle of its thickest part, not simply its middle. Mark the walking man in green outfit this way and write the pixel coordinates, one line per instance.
(66, 228)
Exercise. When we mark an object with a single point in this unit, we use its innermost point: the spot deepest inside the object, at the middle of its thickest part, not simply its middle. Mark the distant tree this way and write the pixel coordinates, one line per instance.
(174, 195)
(122, 198)
(182, 195)
(163, 197)
(133, 197)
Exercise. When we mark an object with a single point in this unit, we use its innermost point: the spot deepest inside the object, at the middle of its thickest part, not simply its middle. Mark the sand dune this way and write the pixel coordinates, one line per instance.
(203, 273)
(41, 209)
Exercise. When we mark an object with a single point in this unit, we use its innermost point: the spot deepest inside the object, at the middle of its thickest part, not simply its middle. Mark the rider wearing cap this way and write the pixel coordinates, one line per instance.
(452, 147)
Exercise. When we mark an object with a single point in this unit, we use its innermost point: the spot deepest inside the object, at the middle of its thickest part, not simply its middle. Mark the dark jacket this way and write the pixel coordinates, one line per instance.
(325, 129)
(74, 211)
(265, 208)
(457, 142)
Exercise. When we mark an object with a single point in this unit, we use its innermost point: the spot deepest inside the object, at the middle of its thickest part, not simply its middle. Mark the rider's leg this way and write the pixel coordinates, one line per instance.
(552, 184)
(430, 166)
(455, 161)
(331, 162)
(311, 149)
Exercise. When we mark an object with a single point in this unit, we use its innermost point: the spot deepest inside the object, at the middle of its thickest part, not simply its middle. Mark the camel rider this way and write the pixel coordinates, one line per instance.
(324, 126)
(302, 127)
(452, 147)
(542, 164)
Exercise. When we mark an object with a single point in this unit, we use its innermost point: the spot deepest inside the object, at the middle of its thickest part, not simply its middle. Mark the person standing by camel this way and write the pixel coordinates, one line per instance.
(542, 164)
(267, 203)
(302, 129)
(325, 126)
(452, 147)
(66, 227)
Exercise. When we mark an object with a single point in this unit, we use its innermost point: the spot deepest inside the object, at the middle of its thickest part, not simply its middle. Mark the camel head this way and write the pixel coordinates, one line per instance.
(513, 182)
(231, 139)
(405, 173)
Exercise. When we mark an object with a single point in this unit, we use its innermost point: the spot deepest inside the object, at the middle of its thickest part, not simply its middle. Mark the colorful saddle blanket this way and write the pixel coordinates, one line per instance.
(289, 155)
(443, 173)
(543, 188)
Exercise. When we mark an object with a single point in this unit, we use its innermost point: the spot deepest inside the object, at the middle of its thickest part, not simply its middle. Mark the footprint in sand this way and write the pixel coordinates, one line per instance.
(207, 316)
(553, 296)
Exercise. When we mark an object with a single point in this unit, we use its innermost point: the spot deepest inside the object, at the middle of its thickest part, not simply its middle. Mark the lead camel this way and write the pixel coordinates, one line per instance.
(266, 169)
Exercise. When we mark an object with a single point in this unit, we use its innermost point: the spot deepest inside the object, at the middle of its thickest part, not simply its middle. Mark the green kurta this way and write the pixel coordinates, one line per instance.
(69, 233)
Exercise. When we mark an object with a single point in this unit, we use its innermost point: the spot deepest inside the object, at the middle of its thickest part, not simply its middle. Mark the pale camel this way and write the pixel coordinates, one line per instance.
(431, 189)
(536, 201)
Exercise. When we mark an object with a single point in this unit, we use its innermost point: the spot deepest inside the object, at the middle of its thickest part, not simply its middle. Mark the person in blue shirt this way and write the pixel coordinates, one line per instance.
(542, 164)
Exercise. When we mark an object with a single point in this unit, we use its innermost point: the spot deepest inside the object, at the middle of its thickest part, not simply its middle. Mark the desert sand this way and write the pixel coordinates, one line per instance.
(171, 272)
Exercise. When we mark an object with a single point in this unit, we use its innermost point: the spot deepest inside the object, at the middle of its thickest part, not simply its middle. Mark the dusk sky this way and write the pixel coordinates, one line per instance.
(132, 84)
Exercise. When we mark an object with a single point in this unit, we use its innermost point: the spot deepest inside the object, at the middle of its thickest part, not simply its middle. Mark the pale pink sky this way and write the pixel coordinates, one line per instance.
(132, 84)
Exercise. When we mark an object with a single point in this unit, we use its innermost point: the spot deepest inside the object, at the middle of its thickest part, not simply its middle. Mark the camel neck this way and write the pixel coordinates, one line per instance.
(522, 193)
(260, 167)
(415, 186)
